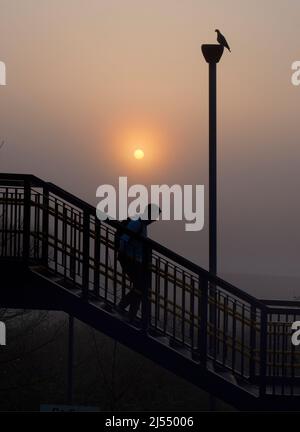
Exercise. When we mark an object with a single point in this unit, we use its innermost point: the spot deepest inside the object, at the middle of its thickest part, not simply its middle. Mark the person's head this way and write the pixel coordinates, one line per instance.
(151, 214)
(218, 31)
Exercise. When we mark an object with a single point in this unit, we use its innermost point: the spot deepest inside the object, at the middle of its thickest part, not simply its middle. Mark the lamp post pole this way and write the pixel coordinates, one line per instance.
(212, 55)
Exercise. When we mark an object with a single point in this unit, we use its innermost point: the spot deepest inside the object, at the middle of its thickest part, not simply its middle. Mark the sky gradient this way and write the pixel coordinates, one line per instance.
(88, 81)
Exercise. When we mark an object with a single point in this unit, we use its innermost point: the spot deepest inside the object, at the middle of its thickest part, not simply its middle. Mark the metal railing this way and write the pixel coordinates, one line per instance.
(218, 324)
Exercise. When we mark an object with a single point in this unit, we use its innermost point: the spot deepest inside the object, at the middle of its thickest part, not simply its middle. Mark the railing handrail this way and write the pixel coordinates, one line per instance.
(281, 303)
(83, 205)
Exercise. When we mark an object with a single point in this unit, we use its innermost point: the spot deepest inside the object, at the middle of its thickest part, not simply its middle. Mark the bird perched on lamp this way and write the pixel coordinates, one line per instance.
(222, 41)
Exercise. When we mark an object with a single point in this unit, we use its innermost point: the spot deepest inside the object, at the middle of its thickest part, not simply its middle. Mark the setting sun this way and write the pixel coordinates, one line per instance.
(139, 154)
(139, 147)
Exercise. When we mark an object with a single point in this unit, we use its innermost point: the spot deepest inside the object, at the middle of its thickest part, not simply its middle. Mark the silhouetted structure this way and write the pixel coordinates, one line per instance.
(56, 255)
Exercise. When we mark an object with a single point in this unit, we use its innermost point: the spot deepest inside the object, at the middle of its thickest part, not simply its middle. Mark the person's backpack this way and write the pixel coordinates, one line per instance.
(120, 232)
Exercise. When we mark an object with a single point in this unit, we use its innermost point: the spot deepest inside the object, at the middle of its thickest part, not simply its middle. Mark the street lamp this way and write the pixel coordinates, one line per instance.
(212, 54)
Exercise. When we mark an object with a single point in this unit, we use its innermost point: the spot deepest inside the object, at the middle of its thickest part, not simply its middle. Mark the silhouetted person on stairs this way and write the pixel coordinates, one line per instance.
(131, 257)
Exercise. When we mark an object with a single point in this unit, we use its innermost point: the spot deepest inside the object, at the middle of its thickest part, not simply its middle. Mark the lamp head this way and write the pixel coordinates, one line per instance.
(212, 53)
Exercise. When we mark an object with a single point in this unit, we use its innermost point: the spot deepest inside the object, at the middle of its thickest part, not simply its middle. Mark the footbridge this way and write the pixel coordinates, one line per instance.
(56, 255)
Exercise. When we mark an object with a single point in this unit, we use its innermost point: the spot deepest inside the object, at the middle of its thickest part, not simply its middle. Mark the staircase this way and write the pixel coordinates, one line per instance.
(56, 255)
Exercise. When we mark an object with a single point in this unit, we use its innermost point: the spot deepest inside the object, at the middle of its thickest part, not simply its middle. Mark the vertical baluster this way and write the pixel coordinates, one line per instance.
(263, 350)
(293, 355)
(106, 263)
(124, 279)
(64, 239)
(40, 225)
(277, 348)
(36, 226)
(77, 245)
(166, 295)
(273, 338)
(19, 224)
(12, 234)
(192, 313)
(16, 232)
(2, 222)
(243, 341)
(45, 234)
(73, 247)
(26, 221)
(79, 232)
(55, 234)
(283, 358)
(174, 302)
(233, 336)
(225, 330)
(156, 300)
(40, 240)
(252, 366)
(79, 224)
(147, 279)
(203, 307)
(183, 307)
(97, 257)
(215, 324)
(5, 222)
(85, 255)
(219, 330)
(115, 273)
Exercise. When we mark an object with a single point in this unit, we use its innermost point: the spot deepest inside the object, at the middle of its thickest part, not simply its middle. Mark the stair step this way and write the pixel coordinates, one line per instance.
(162, 339)
(57, 279)
(229, 377)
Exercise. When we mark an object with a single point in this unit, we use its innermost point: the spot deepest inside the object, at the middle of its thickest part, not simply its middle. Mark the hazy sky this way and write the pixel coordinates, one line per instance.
(88, 80)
